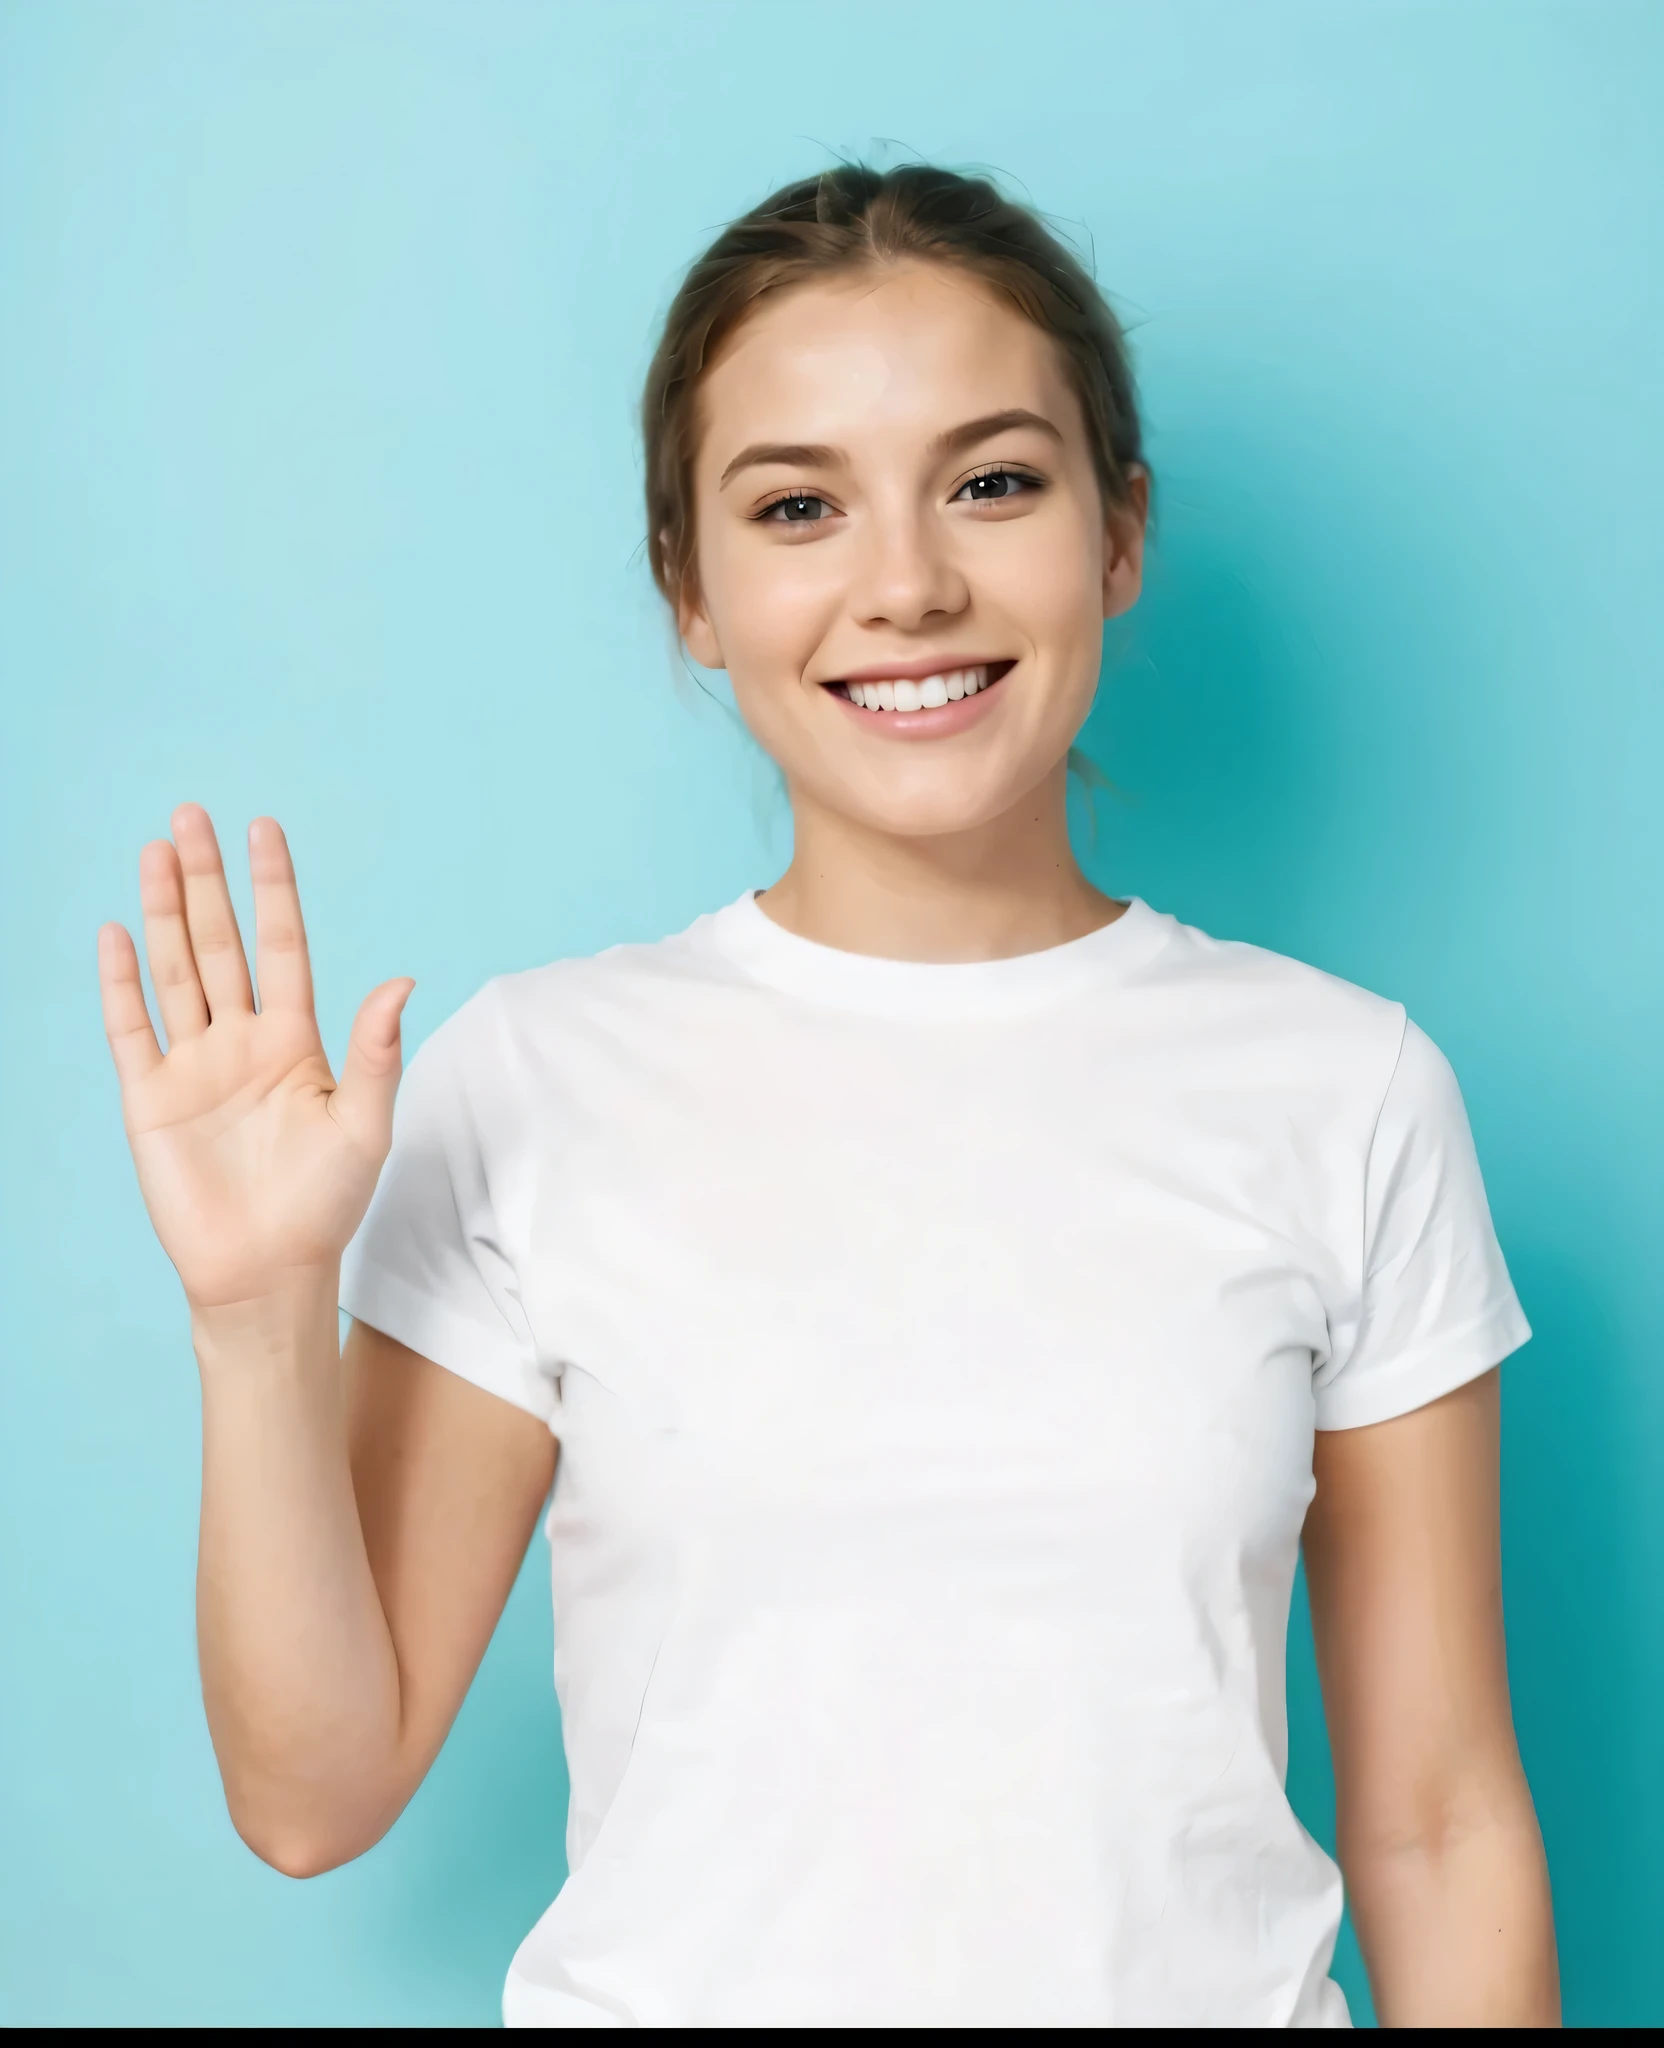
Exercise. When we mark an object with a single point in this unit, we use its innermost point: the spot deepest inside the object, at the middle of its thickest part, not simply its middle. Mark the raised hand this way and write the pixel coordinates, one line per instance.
(255, 1163)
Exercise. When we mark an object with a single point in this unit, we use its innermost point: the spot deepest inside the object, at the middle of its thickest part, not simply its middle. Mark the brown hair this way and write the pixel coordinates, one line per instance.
(840, 221)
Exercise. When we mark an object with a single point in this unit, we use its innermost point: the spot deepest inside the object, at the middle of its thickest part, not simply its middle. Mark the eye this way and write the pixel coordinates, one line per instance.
(796, 508)
(996, 483)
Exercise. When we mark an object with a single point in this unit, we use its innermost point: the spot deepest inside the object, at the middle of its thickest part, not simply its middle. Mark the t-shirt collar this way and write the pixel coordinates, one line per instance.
(749, 939)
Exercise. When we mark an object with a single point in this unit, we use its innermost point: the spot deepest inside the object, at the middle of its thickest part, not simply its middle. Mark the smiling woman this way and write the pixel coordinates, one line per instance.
(954, 1294)
(952, 404)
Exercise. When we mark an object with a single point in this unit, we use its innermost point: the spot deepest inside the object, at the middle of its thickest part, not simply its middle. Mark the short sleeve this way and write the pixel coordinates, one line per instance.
(432, 1264)
(1436, 1307)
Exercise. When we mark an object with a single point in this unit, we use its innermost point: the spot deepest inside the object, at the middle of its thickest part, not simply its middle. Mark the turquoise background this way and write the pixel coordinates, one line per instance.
(321, 329)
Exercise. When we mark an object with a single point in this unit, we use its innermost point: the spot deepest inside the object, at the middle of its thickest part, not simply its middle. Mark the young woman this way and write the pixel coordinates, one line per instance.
(954, 1294)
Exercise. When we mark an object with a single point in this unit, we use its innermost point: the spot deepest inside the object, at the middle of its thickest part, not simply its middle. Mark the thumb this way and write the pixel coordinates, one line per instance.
(370, 1074)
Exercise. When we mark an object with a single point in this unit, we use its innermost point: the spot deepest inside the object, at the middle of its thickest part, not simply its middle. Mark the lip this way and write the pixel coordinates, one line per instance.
(940, 722)
(916, 671)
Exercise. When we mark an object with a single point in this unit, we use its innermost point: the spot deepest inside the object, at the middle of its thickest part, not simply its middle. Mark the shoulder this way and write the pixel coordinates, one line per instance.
(1256, 980)
(1336, 1069)
(530, 1013)
(604, 986)
(1279, 1015)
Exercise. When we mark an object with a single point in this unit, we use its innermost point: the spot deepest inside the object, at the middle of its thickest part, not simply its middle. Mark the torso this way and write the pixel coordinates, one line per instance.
(935, 1404)
(935, 1354)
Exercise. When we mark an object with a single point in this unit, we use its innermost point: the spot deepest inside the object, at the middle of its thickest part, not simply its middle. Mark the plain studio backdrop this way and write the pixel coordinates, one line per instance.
(321, 332)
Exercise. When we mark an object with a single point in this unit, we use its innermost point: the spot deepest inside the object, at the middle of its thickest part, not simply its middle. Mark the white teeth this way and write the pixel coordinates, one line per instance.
(929, 695)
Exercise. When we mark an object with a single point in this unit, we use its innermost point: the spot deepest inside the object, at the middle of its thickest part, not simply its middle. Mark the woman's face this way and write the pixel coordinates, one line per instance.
(903, 558)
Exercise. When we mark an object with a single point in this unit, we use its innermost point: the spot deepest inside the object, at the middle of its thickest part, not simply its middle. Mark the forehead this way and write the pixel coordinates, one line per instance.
(907, 348)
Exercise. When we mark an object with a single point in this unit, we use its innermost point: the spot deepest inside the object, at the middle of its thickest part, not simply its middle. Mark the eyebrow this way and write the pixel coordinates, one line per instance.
(785, 454)
(957, 439)
(953, 441)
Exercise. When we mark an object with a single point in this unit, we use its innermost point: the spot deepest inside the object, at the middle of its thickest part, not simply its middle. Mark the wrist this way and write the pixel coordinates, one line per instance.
(296, 1319)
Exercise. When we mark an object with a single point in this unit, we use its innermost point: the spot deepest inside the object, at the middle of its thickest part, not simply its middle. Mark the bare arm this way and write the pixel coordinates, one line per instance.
(362, 1520)
(1438, 1838)
(362, 1523)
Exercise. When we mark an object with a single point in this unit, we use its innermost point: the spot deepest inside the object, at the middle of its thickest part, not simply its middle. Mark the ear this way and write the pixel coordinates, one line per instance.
(699, 637)
(1124, 546)
(693, 623)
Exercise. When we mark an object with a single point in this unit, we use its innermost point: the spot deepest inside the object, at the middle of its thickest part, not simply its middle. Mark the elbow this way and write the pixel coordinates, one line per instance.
(304, 1847)
(1439, 1826)
(302, 1826)
(297, 1852)
(295, 1859)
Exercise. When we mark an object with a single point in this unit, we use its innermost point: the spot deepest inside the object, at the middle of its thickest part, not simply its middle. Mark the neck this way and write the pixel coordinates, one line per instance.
(1006, 887)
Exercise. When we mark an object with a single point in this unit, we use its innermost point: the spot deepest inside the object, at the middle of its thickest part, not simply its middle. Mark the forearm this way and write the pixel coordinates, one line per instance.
(299, 1674)
(1458, 1930)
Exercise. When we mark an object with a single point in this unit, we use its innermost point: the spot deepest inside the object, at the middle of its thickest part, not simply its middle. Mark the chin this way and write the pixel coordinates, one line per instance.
(954, 804)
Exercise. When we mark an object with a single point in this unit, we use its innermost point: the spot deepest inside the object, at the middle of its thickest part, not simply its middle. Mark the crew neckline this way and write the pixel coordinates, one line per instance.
(749, 939)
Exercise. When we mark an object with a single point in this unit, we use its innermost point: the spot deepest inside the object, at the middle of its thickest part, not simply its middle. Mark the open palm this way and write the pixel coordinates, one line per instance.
(255, 1163)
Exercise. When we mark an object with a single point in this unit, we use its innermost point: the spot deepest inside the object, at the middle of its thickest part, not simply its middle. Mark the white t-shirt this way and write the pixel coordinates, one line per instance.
(935, 1353)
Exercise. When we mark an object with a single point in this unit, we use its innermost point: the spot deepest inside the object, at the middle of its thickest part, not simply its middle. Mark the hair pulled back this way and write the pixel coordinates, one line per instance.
(848, 219)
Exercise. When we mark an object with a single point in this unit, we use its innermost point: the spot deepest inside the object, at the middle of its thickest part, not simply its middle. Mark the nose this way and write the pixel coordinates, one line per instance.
(907, 574)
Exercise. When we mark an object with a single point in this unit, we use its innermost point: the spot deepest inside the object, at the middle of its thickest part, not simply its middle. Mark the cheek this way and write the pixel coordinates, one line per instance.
(769, 606)
(1048, 580)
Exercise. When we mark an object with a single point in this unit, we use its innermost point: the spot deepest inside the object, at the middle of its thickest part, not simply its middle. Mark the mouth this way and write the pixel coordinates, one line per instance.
(907, 696)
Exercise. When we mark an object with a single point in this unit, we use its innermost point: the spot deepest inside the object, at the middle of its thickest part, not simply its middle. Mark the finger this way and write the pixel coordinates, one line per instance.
(127, 1022)
(281, 959)
(215, 939)
(167, 943)
(370, 1073)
